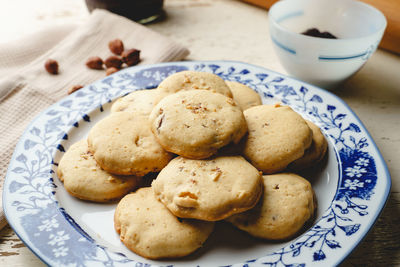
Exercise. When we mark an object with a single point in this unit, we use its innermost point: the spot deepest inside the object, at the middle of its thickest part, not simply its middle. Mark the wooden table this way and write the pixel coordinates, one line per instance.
(232, 30)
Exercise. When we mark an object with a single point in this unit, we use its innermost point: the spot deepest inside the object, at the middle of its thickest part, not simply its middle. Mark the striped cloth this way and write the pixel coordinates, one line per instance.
(26, 88)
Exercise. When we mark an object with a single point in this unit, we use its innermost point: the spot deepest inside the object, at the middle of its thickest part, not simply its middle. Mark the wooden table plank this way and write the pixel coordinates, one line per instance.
(14, 253)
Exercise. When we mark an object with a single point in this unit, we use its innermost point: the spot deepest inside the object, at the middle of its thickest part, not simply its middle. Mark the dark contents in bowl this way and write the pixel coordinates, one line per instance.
(314, 32)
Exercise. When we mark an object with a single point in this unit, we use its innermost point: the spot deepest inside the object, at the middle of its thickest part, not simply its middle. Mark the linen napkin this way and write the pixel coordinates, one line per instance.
(26, 88)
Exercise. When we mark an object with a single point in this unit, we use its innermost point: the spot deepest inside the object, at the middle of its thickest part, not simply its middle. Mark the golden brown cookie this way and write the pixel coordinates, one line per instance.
(148, 228)
(140, 101)
(315, 152)
(195, 124)
(244, 95)
(210, 189)
(122, 143)
(194, 80)
(83, 178)
(277, 136)
(287, 204)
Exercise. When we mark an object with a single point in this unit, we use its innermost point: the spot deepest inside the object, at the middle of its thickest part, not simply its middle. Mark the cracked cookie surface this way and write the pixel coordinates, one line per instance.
(195, 124)
(210, 189)
(149, 229)
(122, 143)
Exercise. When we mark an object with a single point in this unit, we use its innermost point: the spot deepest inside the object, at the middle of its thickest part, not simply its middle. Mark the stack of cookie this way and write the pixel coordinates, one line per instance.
(211, 142)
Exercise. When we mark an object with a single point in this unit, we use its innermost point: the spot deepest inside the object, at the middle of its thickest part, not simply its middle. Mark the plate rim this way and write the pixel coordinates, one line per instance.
(386, 174)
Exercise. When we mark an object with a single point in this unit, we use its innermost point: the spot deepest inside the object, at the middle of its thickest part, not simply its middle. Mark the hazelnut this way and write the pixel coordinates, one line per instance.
(116, 46)
(111, 70)
(131, 57)
(113, 61)
(94, 63)
(74, 88)
(51, 66)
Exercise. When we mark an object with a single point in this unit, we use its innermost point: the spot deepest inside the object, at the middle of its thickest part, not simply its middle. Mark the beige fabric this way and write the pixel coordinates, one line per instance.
(26, 88)
(18, 53)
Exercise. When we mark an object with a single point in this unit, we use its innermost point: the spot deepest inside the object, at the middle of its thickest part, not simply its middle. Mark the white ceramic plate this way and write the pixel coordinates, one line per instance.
(351, 185)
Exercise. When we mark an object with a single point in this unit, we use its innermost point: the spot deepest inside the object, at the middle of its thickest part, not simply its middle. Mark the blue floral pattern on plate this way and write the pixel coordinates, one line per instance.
(42, 223)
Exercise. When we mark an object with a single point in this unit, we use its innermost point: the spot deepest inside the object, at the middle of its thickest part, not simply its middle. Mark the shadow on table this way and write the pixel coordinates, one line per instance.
(373, 83)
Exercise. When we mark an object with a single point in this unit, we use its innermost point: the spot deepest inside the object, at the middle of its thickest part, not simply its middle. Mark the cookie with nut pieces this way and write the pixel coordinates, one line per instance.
(83, 178)
(196, 123)
(122, 143)
(149, 229)
(287, 204)
(194, 80)
(210, 189)
(277, 136)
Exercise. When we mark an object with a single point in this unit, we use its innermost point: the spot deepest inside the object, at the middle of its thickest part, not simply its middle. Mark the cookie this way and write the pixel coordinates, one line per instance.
(277, 136)
(83, 178)
(194, 80)
(122, 143)
(210, 189)
(141, 101)
(287, 204)
(314, 153)
(195, 124)
(148, 228)
(244, 95)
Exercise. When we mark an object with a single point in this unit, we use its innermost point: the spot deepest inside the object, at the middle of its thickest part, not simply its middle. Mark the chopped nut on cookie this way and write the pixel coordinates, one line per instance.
(223, 186)
(196, 123)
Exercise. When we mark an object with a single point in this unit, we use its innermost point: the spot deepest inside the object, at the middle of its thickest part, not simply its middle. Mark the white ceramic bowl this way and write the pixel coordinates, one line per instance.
(325, 62)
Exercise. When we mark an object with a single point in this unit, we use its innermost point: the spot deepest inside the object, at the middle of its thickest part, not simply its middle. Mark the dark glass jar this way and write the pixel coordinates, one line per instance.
(142, 11)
